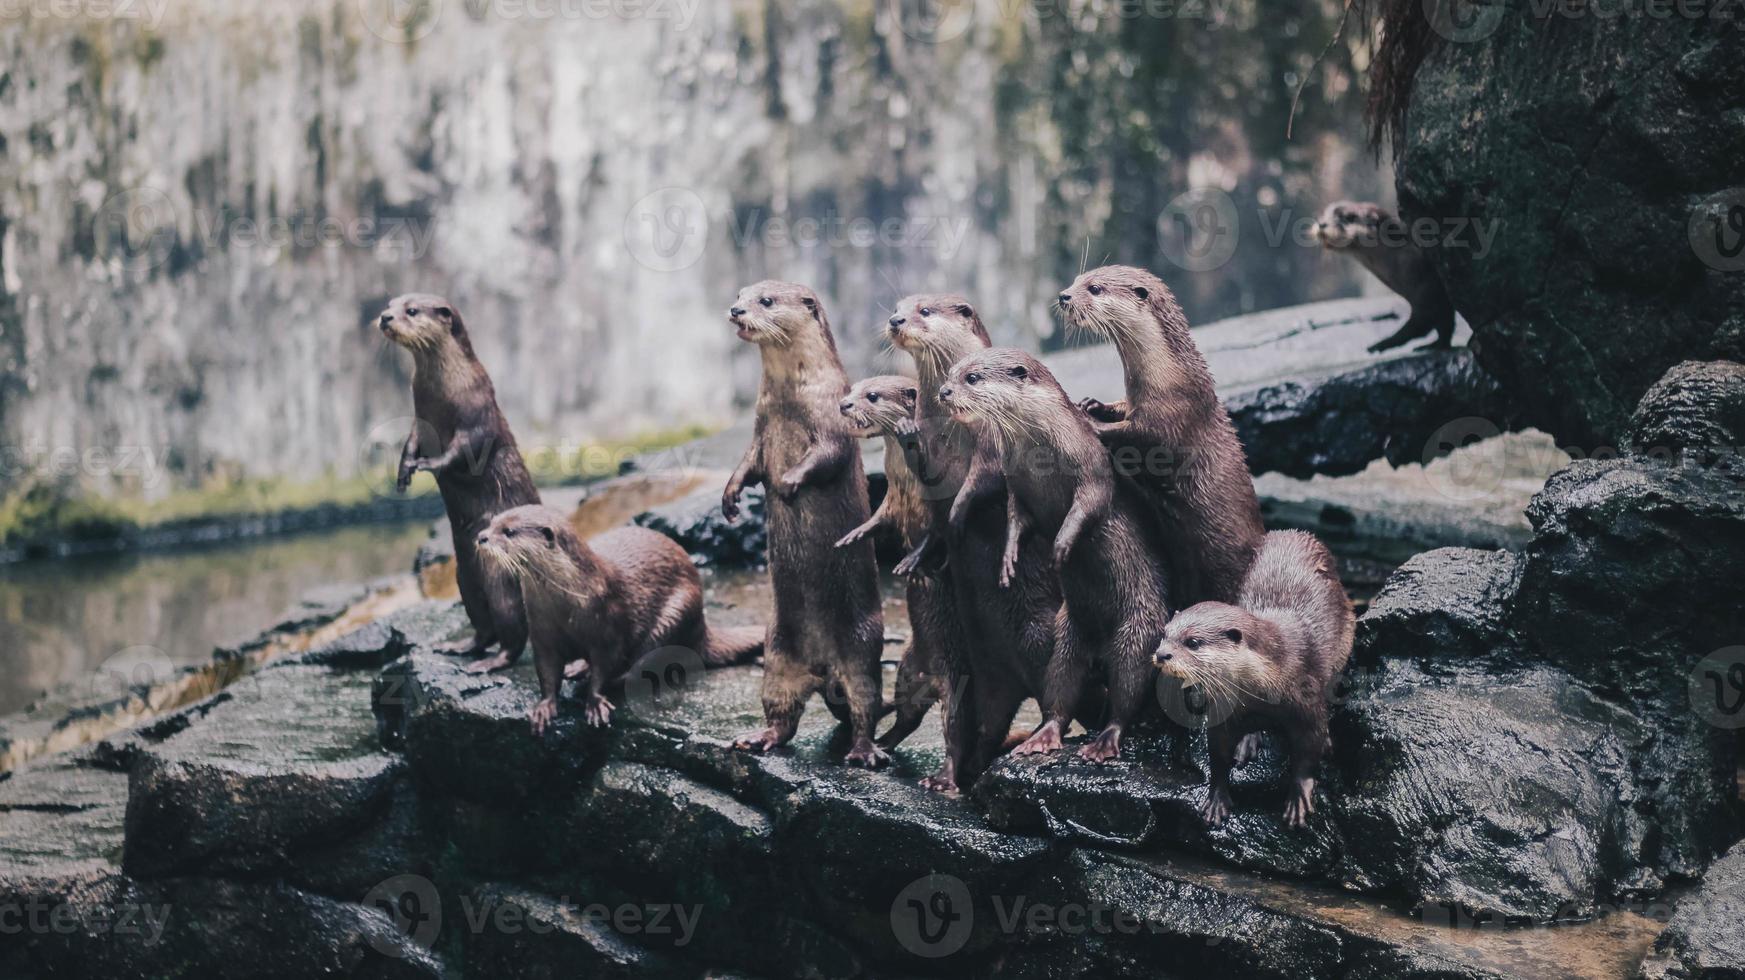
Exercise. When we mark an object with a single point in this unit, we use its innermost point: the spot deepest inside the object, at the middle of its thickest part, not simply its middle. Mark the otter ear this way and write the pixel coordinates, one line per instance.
(1141, 292)
(1019, 371)
(550, 536)
(1234, 636)
(965, 310)
(810, 304)
(911, 395)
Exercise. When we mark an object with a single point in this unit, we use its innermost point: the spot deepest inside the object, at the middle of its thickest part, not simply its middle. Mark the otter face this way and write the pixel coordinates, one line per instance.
(1207, 645)
(997, 385)
(923, 323)
(1346, 224)
(514, 536)
(1108, 301)
(418, 321)
(876, 406)
(775, 314)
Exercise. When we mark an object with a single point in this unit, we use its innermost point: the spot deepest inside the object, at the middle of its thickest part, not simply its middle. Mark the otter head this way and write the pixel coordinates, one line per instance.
(875, 406)
(421, 322)
(1350, 224)
(1116, 302)
(780, 314)
(1002, 387)
(523, 537)
(939, 325)
(1210, 645)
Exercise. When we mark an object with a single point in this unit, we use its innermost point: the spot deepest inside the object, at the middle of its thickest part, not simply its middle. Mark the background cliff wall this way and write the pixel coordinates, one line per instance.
(203, 202)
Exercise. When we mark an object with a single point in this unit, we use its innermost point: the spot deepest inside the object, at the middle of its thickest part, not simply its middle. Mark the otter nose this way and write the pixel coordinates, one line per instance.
(386, 319)
(945, 393)
(1065, 298)
(1163, 656)
(845, 406)
(736, 311)
(482, 538)
(898, 321)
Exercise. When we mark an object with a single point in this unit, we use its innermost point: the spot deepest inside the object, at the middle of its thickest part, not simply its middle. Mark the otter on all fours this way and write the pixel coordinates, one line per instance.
(1266, 662)
(461, 437)
(1378, 241)
(596, 607)
(1062, 488)
(884, 407)
(1172, 433)
(827, 626)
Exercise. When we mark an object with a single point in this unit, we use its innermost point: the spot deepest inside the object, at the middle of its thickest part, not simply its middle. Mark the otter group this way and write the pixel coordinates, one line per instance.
(1061, 551)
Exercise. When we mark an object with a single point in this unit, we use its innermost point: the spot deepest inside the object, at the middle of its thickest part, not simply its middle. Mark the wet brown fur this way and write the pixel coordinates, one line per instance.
(828, 625)
(1007, 632)
(1100, 539)
(461, 437)
(1172, 434)
(606, 602)
(884, 407)
(1378, 241)
(1266, 662)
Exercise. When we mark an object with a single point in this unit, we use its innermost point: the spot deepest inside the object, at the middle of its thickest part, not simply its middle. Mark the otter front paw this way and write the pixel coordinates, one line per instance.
(1300, 804)
(542, 715)
(488, 665)
(1101, 411)
(1106, 747)
(1046, 739)
(762, 740)
(1008, 569)
(788, 487)
(403, 477)
(867, 755)
(575, 670)
(730, 506)
(598, 711)
(854, 536)
(941, 782)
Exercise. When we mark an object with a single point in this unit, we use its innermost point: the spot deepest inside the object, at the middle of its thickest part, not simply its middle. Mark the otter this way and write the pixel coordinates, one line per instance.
(1267, 661)
(885, 407)
(1007, 633)
(1378, 241)
(596, 607)
(460, 435)
(1172, 434)
(828, 623)
(1104, 545)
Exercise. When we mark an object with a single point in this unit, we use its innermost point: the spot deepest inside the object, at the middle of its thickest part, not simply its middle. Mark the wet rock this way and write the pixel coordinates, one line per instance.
(61, 825)
(288, 762)
(696, 523)
(1447, 605)
(321, 605)
(1392, 410)
(367, 648)
(1698, 405)
(1703, 941)
(522, 934)
(1513, 797)
(1594, 153)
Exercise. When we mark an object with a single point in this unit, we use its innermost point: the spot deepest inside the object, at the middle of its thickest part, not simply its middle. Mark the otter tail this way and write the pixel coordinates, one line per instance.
(733, 645)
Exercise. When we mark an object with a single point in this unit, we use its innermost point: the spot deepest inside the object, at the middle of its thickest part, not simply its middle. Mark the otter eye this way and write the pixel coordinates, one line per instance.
(766, 301)
(872, 396)
(1192, 643)
(509, 533)
(1096, 290)
(926, 311)
(972, 378)
(411, 311)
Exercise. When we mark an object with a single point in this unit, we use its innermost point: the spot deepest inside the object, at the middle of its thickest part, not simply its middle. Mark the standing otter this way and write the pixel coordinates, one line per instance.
(1267, 662)
(1378, 241)
(828, 624)
(1061, 484)
(602, 604)
(461, 437)
(885, 406)
(1172, 433)
(1007, 634)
